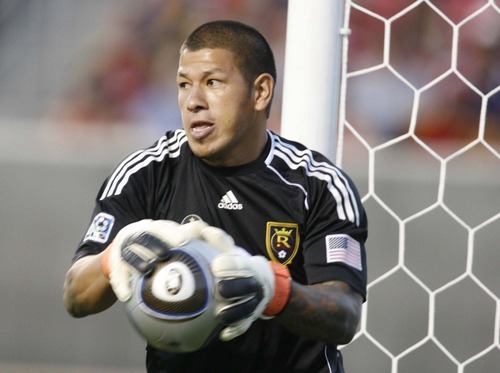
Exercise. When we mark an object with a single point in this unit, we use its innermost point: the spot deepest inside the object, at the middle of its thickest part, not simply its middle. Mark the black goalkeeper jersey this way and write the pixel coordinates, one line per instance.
(291, 205)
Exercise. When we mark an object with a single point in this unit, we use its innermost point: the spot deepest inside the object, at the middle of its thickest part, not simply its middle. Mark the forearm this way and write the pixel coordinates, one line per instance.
(86, 289)
(327, 312)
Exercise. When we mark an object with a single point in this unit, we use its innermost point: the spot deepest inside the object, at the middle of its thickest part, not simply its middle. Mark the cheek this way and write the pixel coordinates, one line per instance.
(184, 119)
(233, 123)
(181, 98)
(237, 108)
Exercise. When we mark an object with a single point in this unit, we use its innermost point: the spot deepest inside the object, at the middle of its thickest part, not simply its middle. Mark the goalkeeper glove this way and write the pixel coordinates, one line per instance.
(138, 246)
(256, 287)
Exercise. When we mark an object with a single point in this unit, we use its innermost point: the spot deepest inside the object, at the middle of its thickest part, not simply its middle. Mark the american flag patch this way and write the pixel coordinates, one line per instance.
(343, 248)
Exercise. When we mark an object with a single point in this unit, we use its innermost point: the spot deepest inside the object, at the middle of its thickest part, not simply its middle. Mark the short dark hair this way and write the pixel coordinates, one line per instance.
(252, 53)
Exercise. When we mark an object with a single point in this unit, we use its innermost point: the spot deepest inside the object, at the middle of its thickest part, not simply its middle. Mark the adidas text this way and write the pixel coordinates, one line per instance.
(230, 206)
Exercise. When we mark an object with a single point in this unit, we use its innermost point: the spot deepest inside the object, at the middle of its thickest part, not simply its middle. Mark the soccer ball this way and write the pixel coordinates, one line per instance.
(173, 307)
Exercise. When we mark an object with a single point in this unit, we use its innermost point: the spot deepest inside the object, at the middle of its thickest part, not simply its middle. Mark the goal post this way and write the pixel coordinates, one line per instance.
(312, 73)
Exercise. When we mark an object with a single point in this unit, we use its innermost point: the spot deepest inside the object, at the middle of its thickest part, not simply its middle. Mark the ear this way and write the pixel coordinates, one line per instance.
(263, 91)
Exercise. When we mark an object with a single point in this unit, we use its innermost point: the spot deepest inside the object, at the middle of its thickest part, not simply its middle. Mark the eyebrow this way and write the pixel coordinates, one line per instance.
(204, 74)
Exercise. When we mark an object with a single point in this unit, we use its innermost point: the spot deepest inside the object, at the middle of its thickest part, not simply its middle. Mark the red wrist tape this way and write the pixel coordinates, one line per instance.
(105, 261)
(282, 289)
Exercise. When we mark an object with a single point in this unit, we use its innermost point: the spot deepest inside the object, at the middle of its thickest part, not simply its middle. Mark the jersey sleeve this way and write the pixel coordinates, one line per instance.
(112, 211)
(129, 193)
(334, 245)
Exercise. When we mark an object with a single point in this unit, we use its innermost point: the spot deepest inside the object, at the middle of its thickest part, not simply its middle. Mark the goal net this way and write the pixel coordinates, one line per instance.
(419, 133)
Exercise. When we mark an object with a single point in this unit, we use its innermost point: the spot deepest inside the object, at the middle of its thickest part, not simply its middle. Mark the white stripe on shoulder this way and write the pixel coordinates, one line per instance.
(140, 159)
(337, 183)
(302, 189)
(330, 368)
(268, 161)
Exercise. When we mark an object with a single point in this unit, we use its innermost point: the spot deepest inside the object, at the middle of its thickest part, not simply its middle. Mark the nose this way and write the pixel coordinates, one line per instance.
(196, 99)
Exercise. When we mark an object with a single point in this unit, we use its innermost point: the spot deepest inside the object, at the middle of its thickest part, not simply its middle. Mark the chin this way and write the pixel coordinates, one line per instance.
(204, 153)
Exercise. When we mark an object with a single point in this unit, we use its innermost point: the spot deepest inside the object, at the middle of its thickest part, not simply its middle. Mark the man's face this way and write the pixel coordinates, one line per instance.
(217, 107)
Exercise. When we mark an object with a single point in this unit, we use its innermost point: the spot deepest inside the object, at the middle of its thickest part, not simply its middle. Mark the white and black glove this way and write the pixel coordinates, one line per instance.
(256, 287)
(248, 282)
(139, 246)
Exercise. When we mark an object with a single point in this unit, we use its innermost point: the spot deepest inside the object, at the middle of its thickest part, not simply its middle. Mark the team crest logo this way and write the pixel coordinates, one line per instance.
(190, 218)
(282, 241)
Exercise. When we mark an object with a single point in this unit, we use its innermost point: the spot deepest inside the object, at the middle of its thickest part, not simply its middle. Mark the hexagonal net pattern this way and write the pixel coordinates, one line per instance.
(420, 134)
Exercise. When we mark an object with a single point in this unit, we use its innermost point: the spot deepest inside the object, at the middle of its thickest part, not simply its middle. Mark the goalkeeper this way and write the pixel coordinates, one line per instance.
(274, 197)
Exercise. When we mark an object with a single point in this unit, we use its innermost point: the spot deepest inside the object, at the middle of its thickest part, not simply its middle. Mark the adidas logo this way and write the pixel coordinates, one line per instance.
(229, 202)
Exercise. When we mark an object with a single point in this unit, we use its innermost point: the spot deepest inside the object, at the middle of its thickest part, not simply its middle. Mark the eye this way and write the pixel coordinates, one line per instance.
(182, 83)
(213, 82)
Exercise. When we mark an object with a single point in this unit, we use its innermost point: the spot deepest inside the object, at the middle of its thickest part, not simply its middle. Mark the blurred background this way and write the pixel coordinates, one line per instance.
(82, 83)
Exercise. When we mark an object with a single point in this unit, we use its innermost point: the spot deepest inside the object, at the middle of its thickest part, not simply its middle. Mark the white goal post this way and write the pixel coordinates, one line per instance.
(312, 73)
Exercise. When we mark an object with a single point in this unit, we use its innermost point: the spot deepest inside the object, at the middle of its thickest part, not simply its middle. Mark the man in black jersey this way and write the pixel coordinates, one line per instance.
(275, 197)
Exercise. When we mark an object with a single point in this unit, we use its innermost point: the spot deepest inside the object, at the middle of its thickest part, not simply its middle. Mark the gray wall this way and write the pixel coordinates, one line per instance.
(46, 198)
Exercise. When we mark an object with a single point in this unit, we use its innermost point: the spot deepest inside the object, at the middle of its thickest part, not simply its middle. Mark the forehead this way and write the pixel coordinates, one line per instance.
(204, 60)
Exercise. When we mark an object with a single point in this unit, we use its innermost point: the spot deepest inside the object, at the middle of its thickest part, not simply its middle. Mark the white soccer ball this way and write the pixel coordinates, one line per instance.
(173, 308)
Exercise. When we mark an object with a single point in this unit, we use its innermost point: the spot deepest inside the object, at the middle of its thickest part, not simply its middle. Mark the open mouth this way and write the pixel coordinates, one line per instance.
(201, 129)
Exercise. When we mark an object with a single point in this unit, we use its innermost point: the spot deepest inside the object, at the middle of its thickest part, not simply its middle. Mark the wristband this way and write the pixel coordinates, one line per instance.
(282, 289)
(105, 262)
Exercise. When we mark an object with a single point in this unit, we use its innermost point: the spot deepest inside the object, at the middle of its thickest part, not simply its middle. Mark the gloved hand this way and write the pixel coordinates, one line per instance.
(138, 246)
(253, 286)
(256, 287)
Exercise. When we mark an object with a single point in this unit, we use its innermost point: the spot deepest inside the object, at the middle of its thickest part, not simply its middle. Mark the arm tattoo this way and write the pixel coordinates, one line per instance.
(328, 312)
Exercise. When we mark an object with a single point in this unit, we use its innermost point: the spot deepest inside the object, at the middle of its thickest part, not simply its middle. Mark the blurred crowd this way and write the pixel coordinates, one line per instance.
(132, 78)
(420, 57)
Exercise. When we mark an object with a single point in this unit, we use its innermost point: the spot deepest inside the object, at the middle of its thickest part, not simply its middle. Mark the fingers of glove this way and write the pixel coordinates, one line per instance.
(143, 250)
(238, 287)
(119, 267)
(151, 243)
(240, 310)
(217, 238)
(119, 275)
(193, 229)
(120, 282)
(237, 266)
(169, 232)
(264, 275)
(131, 229)
(258, 267)
(115, 255)
(158, 247)
(240, 273)
(247, 292)
(230, 265)
(235, 330)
